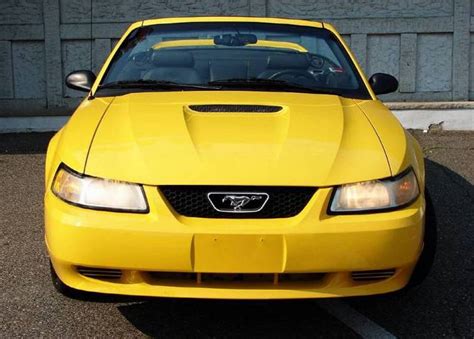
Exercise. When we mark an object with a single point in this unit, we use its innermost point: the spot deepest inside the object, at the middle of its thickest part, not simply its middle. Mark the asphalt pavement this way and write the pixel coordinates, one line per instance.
(442, 306)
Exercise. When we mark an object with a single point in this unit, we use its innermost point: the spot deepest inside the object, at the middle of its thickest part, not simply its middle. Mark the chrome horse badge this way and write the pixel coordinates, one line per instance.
(237, 202)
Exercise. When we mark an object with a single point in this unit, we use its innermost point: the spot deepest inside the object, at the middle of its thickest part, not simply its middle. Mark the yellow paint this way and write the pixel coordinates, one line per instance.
(156, 139)
(152, 138)
(210, 42)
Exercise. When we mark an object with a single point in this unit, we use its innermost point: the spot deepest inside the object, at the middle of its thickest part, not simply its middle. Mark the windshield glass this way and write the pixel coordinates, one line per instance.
(232, 56)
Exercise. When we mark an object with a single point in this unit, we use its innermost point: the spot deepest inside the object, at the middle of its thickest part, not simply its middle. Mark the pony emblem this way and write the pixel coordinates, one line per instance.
(237, 202)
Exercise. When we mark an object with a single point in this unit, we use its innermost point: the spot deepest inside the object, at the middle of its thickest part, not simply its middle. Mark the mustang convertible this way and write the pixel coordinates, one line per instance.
(234, 157)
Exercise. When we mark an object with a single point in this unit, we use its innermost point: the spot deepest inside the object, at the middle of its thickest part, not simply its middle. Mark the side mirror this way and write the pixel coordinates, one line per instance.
(80, 80)
(383, 83)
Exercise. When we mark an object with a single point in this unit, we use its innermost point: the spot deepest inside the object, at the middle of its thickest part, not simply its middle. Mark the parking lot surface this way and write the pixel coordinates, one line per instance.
(442, 306)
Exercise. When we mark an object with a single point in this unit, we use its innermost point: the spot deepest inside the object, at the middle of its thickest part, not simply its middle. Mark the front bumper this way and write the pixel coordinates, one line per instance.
(161, 241)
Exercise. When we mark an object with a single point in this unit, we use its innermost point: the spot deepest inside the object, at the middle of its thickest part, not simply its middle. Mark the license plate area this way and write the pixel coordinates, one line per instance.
(238, 253)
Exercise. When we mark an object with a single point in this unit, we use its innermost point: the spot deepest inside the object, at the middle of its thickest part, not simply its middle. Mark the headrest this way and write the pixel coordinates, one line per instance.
(172, 59)
(285, 61)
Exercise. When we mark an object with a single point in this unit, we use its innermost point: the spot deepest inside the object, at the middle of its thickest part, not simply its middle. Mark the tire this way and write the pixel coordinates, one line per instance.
(62, 287)
(430, 239)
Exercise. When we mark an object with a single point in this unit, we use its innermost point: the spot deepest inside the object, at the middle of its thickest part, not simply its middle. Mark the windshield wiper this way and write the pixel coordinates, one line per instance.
(252, 83)
(268, 84)
(152, 84)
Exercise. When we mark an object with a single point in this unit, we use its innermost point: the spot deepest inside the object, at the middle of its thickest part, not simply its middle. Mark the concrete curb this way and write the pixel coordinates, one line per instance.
(431, 105)
(442, 119)
(457, 119)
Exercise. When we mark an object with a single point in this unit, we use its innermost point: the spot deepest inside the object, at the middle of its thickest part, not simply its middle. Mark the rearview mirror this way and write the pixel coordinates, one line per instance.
(382, 83)
(80, 80)
(235, 39)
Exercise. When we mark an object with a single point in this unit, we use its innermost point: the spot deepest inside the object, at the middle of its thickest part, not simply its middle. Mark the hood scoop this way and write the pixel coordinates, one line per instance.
(235, 108)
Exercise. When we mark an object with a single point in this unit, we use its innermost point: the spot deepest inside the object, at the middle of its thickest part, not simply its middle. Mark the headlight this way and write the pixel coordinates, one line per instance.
(95, 193)
(376, 194)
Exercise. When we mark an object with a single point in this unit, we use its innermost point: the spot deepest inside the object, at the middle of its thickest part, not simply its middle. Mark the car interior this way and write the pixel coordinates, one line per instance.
(200, 65)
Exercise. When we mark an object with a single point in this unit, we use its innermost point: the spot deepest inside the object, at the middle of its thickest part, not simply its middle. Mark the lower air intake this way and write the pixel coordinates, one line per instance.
(99, 273)
(237, 278)
(373, 275)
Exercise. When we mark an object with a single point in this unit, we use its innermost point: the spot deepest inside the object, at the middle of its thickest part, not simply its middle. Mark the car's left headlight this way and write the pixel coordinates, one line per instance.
(96, 193)
(376, 195)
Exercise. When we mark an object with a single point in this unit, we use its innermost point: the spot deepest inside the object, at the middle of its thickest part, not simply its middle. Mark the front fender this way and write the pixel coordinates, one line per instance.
(401, 148)
(50, 158)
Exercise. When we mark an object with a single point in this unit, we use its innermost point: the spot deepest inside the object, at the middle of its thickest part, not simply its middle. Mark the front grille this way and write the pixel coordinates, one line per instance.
(372, 275)
(192, 201)
(235, 108)
(99, 273)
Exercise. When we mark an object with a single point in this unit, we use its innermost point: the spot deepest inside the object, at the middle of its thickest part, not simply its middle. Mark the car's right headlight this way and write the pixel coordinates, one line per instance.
(375, 195)
(97, 193)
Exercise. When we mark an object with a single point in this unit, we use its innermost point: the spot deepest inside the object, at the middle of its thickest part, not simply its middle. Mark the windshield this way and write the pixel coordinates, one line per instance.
(232, 56)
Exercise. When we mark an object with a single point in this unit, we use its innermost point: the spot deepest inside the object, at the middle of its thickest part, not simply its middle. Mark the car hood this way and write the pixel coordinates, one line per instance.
(158, 139)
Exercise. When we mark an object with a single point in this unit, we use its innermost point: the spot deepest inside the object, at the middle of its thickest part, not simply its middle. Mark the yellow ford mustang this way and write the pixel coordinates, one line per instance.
(233, 157)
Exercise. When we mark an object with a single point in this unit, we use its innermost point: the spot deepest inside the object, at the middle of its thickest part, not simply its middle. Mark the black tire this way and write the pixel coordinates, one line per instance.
(430, 239)
(62, 287)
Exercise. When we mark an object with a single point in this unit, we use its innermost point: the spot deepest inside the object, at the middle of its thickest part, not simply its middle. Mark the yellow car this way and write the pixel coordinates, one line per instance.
(235, 157)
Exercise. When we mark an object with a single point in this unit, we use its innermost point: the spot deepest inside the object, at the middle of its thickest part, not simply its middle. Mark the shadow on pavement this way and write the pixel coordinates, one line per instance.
(233, 318)
(24, 143)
